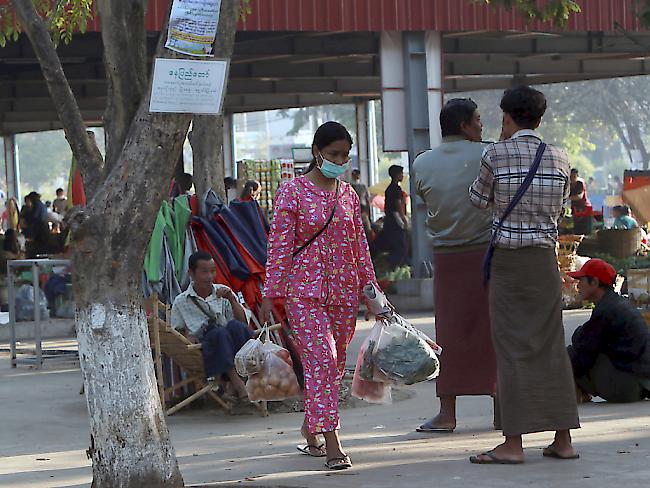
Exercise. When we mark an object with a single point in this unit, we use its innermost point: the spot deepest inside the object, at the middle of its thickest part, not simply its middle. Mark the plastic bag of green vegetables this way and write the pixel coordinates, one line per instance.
(401, 355)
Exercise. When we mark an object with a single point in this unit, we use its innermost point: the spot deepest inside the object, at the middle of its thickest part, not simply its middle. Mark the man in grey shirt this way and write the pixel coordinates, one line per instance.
(459, 234)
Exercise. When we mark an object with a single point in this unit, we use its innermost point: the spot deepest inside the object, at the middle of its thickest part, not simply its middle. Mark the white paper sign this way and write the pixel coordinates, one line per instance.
(188, 86)
(193, 26)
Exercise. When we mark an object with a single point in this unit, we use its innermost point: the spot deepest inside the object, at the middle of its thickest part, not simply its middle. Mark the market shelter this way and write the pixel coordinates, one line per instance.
(297, 53)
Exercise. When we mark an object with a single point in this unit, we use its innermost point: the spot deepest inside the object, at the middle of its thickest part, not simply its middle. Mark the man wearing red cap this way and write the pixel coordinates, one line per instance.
(610, 353)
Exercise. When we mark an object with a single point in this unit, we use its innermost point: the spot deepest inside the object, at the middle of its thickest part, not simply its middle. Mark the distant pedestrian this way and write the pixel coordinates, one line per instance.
(394, 238)
(251, 191)
(60, 203)
(622, 218)
(534, 380)
(230, 186)
(364, 200)
(581, 208)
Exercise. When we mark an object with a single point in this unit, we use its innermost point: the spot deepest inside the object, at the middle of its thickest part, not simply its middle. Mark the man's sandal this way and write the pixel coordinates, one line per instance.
(491, 458)
(549, 452)
(339, 463)
(308, 448)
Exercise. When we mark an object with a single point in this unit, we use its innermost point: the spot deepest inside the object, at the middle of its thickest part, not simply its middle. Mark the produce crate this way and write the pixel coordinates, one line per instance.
(638, 282)
(567, 247)
(270, 174)
(620, 243)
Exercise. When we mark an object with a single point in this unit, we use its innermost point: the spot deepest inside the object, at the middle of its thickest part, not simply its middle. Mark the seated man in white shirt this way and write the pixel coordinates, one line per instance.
(213, 315)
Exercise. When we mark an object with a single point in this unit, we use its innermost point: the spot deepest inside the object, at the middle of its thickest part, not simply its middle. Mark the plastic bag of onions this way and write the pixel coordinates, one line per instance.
(276, 380)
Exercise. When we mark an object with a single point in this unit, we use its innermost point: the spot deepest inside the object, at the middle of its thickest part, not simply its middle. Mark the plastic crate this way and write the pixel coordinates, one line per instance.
(638, 281)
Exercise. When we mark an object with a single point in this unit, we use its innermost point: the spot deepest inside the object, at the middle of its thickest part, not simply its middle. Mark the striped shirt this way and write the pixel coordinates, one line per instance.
(504, 166)
(186, 313)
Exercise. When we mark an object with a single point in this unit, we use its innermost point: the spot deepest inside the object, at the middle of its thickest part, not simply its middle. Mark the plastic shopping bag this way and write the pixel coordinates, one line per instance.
(25, 304)
(276, 380)
(250, 358)
(403, 354)
(376, 301)
(364, 386)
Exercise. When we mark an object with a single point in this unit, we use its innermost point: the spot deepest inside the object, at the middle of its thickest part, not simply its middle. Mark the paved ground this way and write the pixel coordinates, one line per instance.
(44, 434)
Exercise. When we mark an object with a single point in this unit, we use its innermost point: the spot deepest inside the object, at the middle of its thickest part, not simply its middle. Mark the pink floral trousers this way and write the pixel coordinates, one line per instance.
(322, 334)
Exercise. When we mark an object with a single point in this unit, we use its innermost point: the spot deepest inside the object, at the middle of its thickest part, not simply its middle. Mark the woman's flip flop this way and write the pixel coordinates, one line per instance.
(339, 463)
(307, 450)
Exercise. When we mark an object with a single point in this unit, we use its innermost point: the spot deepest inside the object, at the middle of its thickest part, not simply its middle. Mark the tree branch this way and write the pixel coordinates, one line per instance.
(125, 58)
(83, 147)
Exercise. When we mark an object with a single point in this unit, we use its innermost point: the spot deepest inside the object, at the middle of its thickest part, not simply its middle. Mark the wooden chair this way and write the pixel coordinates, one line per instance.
(187, 355)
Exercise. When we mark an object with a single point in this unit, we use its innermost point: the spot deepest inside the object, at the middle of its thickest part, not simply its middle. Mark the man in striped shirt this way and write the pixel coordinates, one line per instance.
(534, 378)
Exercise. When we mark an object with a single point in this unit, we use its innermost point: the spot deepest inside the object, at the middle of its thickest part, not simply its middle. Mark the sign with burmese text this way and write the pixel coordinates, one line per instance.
(188, 86)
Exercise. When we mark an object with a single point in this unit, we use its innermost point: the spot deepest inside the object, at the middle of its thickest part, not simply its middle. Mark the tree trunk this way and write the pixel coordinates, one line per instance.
(206, 136)
(129, 442)
(125, 59)
(127, 422)
(636, 139)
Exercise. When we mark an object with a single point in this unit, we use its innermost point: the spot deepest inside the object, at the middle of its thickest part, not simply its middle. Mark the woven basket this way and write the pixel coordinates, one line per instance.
(620, 243)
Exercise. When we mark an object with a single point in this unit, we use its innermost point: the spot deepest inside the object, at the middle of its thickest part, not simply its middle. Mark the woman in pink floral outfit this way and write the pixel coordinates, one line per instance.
(320, 280)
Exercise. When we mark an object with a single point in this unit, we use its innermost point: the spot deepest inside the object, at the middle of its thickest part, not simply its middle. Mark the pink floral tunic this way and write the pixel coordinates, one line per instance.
(337, 265)
(322, 285)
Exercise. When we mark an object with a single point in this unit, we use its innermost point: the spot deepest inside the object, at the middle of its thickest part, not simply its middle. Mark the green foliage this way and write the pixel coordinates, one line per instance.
(64, 17)
(557, 11)
(643, 11)
(623, 264)
(245, 9)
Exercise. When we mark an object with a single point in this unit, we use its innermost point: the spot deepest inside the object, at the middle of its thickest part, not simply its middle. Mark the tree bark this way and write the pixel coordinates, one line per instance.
(207, 135)
(129, 441)
(125, 58)
(130, 444)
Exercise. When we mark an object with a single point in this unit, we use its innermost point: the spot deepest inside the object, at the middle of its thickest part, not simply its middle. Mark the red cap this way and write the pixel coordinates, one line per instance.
(596, 268)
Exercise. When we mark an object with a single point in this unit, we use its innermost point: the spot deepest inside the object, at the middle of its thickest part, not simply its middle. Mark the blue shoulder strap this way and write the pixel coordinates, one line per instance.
(487, 263)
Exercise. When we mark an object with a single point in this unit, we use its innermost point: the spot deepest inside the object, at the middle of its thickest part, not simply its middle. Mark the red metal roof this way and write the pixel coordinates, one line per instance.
(409, 15)
(404, 15)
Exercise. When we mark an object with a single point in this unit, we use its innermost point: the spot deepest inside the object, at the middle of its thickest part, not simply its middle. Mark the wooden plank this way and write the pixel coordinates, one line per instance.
(189, 400)
(159, 371)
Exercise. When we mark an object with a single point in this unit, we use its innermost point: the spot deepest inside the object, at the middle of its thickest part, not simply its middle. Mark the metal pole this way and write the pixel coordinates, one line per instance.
(363, 149)
(417, 138)
(12, 168)
(229, 165)
(12, 312)
(37, 316)
(373, 167)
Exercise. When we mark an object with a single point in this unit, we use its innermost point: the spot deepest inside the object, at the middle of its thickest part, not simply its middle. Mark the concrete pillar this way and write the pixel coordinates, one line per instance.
(412, 83)
(434, 85)
(12, 167)
(363, 140)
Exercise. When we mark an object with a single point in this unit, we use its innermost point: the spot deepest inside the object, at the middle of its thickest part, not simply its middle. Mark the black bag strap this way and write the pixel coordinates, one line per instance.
(209, 314)
(329, 220)
(487, 263)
